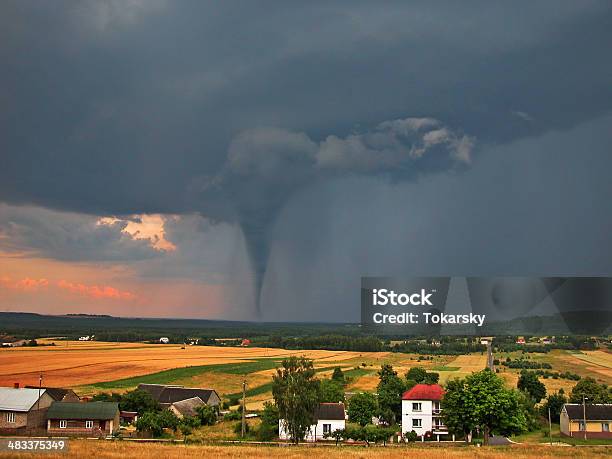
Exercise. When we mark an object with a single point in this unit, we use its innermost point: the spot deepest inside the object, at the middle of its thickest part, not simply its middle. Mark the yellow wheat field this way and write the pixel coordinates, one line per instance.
(120, 450)
(74, 363)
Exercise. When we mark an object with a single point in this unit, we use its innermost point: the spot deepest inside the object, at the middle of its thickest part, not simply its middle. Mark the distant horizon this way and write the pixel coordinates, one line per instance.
(199, 159)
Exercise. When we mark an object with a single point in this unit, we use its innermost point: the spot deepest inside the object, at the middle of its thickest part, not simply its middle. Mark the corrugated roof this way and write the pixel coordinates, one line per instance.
(598, 412)
(56, 393)
(18, 399)
(78, 410)
(154, 389)
(330, 411)
(175, 394)
(188, 407)
(424, 392)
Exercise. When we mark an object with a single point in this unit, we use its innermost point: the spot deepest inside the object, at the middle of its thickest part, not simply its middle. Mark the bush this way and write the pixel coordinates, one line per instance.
(267, 432)
(232, 416)
(411, 436)
(238, 428)
(156, 422)
(207, 415)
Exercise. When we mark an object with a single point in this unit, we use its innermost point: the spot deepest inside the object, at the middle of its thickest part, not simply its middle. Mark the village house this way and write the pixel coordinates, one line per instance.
(58, 394)
(167, 395)
(422, 411)
(186, 408)
(22, 411)
(598, 420)
(329, 417)
(94, 419)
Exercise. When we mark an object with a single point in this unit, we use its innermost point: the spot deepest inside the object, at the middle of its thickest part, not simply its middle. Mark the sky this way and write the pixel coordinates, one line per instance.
(252, 160)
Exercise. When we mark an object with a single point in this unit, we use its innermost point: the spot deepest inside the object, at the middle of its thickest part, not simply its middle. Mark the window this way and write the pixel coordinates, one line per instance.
(416, 407)
(89, 424)
(605, 427)
(63, 424)
(326, 428)
(10, 417)
(581, 425)
(436, 407)
(416, 422)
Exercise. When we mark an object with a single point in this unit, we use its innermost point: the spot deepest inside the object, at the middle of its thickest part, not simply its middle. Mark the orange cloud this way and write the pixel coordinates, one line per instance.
(146, 226)
(25, 284)
(94, 291)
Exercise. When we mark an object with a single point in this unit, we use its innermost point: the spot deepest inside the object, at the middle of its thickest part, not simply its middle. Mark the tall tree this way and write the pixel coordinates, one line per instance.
(338, 375)
(362, 407)
(296, 394)
(555, 403)
(529, 383)
(416, 374)
(458, 416)
(482, 401)
(138, 400)
(590, 389)
(431, 378)
(331, 391)
(390, 390)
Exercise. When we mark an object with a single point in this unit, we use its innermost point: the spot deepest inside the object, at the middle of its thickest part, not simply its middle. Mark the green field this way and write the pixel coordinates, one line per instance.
(171, 376)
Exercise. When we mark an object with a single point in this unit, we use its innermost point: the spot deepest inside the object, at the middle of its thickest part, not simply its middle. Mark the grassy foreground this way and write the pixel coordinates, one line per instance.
(120, 450)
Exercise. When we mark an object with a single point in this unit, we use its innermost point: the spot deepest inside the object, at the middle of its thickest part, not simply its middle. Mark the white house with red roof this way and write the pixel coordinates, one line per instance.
(422, 412)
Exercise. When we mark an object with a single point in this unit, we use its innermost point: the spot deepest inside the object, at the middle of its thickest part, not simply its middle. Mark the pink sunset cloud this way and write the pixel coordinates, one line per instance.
(27, 284)
(95, 291)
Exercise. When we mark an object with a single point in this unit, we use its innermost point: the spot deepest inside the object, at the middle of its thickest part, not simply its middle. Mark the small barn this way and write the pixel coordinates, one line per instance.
(94, 419)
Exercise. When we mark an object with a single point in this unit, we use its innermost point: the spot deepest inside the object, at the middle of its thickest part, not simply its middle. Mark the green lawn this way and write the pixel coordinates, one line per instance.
(541, 436)
(445, 368)
(582, 441)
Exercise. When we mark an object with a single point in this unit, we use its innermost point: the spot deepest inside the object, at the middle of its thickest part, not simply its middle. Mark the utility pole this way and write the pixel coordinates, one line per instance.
(243, 407)
(549, 427)
(39, 390)
(584, 399)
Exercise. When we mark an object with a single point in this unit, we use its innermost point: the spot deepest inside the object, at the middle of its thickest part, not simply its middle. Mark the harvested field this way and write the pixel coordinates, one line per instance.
(597, 361)
(75, 363)
(120, 450)
(463, 366)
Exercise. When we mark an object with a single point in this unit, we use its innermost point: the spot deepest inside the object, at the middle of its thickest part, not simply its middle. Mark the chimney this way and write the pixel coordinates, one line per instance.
(16, 385)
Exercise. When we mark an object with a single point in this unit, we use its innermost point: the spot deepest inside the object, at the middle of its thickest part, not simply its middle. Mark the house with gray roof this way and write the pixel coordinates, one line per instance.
(59, 394)
(167, 395)
(93, 419)
(186, 408)
(22, 410)
(588, 420)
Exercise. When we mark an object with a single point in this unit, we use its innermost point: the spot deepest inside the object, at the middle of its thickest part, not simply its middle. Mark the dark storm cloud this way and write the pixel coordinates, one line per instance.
(112, 107)
(534, 207)
(116, 107)
(68, 236)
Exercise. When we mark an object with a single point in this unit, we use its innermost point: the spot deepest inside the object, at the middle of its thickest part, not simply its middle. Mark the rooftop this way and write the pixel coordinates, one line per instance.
(56, 393)
(18, 399)
(79, 410)
(424, 392)
(188, 407)
(330, 411)
(172, 394)
(595, 412)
